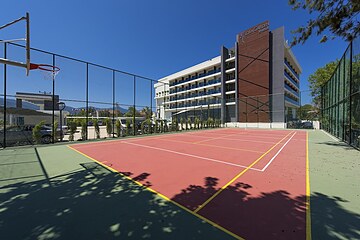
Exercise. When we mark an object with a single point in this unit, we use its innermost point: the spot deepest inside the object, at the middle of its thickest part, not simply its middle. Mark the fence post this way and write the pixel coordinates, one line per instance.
(87, 100)
(5, 98)
(53, 103)
(134, 124)
(113, 104)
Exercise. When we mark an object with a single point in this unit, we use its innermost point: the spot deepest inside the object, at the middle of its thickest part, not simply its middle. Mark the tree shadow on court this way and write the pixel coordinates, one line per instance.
(341, 145)
(270, 215)
(330, 220)
(94, 203)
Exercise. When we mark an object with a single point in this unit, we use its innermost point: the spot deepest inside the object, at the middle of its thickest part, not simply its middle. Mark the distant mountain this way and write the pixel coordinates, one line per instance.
(11, 103)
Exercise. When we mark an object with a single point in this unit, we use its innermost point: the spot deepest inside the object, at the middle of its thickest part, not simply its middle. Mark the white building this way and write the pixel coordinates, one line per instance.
(256, 81)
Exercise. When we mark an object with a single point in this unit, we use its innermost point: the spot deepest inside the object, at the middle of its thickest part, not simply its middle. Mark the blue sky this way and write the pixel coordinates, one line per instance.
(149, 38)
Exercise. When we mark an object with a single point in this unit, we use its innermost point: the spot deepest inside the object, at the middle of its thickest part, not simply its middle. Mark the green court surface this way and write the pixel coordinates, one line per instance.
(53, 192)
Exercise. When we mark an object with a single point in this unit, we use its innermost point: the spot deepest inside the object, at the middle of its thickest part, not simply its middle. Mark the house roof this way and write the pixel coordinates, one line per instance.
(23, 111)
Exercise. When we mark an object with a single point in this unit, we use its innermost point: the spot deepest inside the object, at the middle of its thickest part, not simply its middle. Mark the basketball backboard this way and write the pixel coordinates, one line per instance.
(26, 64)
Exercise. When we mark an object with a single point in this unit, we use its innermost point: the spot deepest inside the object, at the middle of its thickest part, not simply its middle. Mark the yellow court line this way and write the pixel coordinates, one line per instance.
(237, 176)
(308, 213)
(209, 145)
(161, 195)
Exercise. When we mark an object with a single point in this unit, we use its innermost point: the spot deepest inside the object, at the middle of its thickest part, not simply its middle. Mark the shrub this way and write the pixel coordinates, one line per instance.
(128, 124)
(118, 128)
(36, 132)
(161, 126)
(190, 123)
(72, 129)
(83, 130)
(97, 128)
(156, 126)
(108, 127)
(143, 127)
(182, 123)
(57, 133)
(166, 127)
(197, 123)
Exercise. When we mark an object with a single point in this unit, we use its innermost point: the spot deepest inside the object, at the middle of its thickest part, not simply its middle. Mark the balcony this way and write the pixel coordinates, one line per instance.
(291, 79)
(291, 69)
(291, 90)
(195, 77)
(290, 100)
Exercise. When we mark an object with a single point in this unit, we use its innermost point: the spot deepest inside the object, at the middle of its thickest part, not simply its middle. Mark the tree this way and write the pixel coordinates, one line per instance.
(337, 16)
(146, 112)
(319, 78)
(307, 112)
(131, 112)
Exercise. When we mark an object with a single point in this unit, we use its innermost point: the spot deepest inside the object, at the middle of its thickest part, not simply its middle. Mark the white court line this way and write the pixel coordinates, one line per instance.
(194, 156)
(273, 158)
(334, 138)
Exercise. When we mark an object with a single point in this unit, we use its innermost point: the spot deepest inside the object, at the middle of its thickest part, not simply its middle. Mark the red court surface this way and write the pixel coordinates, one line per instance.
(252, 183)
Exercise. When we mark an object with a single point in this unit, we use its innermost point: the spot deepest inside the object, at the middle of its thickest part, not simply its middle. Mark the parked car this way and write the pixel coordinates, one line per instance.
(22, 135)
(307, 125)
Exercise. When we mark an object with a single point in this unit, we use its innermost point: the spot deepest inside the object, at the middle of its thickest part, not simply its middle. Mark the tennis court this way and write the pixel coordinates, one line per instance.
(235, 179)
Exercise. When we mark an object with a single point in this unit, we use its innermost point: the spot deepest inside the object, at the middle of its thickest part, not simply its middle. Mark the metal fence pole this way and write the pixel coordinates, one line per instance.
(113, 105)
(87, 100)
(53, 103)
(350, 86)
(134, 124)
(5, 98)
(149, 126)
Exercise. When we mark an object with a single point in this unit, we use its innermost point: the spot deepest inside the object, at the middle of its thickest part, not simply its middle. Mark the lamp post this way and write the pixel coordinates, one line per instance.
(61, 106)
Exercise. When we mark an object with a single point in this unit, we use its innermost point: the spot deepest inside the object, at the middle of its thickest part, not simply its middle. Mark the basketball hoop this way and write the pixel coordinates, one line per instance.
(49, 72)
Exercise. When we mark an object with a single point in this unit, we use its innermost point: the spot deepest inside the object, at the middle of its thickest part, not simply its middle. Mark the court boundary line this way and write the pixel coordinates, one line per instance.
(308, 193)
(191, 155)
(238, 175)
(329, 135)
(161, 195)
(278, 152)
(214, 138)
(161, 135)
(209, 145)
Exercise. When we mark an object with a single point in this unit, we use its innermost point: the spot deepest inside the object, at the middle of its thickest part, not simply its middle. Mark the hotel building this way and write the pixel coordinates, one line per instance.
(255, 81)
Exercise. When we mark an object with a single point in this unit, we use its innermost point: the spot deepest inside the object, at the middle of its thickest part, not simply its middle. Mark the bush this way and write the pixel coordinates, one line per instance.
(143, 127)
(108, 127)
(36, 132)
(161, 126)
(97, 128)
(128, 124)
(166, 127)
(118, 128)
(182, 121)
(196, 123)
(190, 123)
(72, 129)
(83, 130)
(156, 126)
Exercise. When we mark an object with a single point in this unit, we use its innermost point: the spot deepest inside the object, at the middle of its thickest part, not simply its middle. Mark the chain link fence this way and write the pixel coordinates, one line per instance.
(89, 101)
(340, 106)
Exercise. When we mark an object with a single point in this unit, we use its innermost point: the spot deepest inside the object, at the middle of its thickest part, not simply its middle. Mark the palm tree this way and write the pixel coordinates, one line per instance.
(146, 111)
(131, 112)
